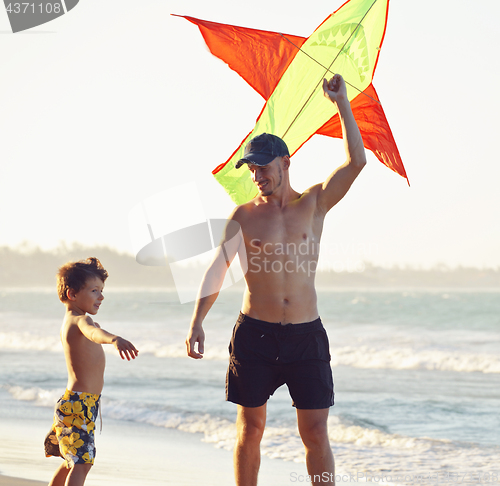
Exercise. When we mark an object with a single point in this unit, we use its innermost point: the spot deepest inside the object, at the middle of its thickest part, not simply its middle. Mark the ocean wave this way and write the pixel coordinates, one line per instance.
(26, 341)
(29, 342)
(361, 356)
(39, 396)
(395, 358)
(411, 359)
(178, 350)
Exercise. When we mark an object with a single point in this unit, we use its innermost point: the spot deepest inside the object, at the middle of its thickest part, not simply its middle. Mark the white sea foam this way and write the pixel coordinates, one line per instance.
(358, 450)
(221, 431)
(216, 430)
(278, 441)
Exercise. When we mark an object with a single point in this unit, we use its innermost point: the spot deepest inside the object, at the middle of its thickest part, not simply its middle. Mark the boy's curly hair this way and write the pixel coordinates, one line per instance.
(73, 275)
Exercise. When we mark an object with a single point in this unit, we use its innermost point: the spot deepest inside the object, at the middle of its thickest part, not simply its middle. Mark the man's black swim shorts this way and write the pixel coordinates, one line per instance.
(266, 355)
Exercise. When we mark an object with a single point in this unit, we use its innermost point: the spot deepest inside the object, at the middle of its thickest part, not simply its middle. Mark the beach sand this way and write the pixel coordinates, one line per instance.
(10, 481)
(130, 453)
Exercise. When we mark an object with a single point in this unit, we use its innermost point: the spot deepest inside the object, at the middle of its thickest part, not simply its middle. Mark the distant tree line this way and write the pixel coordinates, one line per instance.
(32, 267)
(439, 276)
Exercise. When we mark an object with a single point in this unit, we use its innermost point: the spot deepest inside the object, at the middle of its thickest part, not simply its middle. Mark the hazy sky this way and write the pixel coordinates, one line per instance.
(117, 101)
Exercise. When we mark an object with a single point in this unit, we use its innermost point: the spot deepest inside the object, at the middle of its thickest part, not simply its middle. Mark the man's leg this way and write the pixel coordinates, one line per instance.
(314, 434)
(250, 424)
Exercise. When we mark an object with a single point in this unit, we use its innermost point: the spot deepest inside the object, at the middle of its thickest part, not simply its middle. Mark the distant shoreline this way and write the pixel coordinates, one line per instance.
(238, 288)
(21, 268)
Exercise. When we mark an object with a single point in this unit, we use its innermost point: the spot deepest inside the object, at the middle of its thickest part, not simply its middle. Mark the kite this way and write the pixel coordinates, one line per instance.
(288, 71)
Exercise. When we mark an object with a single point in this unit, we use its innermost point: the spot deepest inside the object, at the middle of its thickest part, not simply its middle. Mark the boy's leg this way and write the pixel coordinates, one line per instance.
(59, 477)
(314, 434)
(250, 424)
(77, 474)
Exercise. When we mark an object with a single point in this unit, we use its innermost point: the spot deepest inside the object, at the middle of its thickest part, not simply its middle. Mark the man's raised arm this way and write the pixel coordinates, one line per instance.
(232, 244)
(339, 182)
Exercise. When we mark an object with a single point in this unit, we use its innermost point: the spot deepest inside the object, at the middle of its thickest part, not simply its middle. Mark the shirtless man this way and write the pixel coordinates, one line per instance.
(80, 286)
(279, 337)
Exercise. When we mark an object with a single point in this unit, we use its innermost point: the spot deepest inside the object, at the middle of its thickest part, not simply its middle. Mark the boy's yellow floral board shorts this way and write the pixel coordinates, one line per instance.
(72, 433)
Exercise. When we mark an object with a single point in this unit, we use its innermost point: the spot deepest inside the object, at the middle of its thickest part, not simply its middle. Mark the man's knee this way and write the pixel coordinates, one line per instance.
(314, 433)
(250, 424)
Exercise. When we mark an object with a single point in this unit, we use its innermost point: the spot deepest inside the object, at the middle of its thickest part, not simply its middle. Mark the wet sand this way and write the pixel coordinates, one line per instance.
(131, 454)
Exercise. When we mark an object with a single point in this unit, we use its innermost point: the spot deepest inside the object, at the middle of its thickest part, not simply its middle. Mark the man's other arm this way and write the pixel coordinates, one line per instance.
(211, 284)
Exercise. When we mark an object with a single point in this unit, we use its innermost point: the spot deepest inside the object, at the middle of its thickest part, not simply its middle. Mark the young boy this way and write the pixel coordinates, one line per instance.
(80, 286)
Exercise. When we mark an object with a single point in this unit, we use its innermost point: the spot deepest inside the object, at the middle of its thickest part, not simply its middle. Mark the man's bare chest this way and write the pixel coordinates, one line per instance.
(281, 234)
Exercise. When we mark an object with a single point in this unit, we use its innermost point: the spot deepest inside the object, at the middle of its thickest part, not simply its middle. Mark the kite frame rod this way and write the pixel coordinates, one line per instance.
(327, 69)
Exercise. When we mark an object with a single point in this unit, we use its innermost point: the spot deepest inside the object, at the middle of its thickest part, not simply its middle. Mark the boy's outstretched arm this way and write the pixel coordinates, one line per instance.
(93, 332)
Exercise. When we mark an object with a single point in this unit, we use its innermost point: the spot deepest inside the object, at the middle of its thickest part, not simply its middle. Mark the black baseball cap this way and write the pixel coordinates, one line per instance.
(262, 149)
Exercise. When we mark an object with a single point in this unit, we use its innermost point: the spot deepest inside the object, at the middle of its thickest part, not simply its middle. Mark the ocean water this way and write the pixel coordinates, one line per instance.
(417, 377)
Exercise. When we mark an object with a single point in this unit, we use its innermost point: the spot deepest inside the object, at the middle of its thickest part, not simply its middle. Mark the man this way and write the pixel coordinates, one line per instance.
(279, 337)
